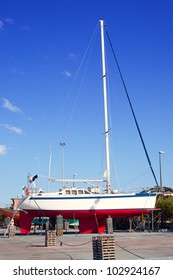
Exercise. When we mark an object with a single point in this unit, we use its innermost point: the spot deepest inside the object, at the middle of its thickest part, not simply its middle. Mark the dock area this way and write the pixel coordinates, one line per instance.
(72, 246)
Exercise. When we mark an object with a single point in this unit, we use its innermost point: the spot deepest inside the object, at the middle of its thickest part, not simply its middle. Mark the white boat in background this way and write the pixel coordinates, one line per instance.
(90, 206)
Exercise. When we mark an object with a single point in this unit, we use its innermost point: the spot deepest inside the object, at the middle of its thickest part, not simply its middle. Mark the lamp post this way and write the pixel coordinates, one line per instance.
(74, 174)
(160, 167)
(62, 145)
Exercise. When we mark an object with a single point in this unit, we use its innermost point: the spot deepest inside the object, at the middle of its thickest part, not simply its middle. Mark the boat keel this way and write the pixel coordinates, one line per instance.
(25, 222)
(92, 226)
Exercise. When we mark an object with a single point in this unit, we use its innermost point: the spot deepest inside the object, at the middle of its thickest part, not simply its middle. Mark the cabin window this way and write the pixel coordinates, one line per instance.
(74, 192)
(67, 191)
(86, 192)
(80, 191)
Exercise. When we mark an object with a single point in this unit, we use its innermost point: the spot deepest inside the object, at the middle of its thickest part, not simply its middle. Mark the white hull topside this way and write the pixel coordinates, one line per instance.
(53, 201)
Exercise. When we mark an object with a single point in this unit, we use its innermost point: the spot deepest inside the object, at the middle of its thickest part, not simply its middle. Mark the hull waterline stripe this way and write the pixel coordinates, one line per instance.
(90, 197)
(104, 211)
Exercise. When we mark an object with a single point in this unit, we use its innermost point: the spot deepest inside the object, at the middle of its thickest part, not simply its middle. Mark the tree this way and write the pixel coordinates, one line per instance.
(166, 205)
(1, 220)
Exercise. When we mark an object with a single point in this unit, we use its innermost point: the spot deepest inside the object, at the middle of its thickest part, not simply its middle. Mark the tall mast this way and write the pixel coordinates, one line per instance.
(105, 107)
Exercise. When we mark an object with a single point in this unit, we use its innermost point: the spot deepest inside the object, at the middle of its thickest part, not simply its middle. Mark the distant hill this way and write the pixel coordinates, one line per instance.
(158, 189)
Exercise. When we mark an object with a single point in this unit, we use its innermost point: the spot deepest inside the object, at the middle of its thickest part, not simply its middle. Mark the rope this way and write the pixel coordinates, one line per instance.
(132, 110)
(82, 244)
(72, 245)
(129, 252)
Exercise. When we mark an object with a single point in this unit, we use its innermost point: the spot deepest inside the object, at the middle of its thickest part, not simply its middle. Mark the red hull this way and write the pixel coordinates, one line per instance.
(90, 221)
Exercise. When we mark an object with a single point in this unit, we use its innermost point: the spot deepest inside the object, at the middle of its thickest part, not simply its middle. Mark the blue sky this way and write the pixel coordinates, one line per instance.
(45, 98)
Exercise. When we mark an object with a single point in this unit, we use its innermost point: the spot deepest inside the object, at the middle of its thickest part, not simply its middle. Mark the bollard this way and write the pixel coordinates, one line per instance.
(66, 225)
(59, 225)
(109, 225)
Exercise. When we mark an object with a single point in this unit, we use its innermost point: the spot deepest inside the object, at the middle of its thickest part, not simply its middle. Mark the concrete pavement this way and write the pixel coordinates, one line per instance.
(71, 246)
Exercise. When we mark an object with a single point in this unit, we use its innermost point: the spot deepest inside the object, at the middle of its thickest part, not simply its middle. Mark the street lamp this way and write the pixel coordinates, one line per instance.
(160, 167)
(74, 174)
(62, 145)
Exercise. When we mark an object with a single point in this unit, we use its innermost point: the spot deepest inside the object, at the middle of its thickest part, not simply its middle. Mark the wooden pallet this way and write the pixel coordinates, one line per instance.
(103, 248)
(50, 243)
(50, 238)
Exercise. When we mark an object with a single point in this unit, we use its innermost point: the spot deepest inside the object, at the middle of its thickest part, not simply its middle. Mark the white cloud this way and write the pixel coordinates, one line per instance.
(5, 21)
(9, 20)
(1, 25)
(14, 129)
(9, 106)
(66, 73)
(3, 149)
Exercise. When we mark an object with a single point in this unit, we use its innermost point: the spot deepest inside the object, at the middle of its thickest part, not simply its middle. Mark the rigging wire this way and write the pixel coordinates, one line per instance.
(87, 52)
(114, 167)
(131, 107)
(73, 83)
(134, 179)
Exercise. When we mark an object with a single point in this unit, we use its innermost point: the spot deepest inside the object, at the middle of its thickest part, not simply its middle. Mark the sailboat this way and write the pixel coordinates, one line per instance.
(89, 206)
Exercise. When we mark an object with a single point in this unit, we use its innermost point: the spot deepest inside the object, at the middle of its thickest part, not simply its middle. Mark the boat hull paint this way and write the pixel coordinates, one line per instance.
(91, 210)
(89, 221)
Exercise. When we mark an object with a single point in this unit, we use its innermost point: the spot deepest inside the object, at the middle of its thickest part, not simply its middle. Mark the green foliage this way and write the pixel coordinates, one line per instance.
(166, 205)
(168, 189)
(1, 219)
